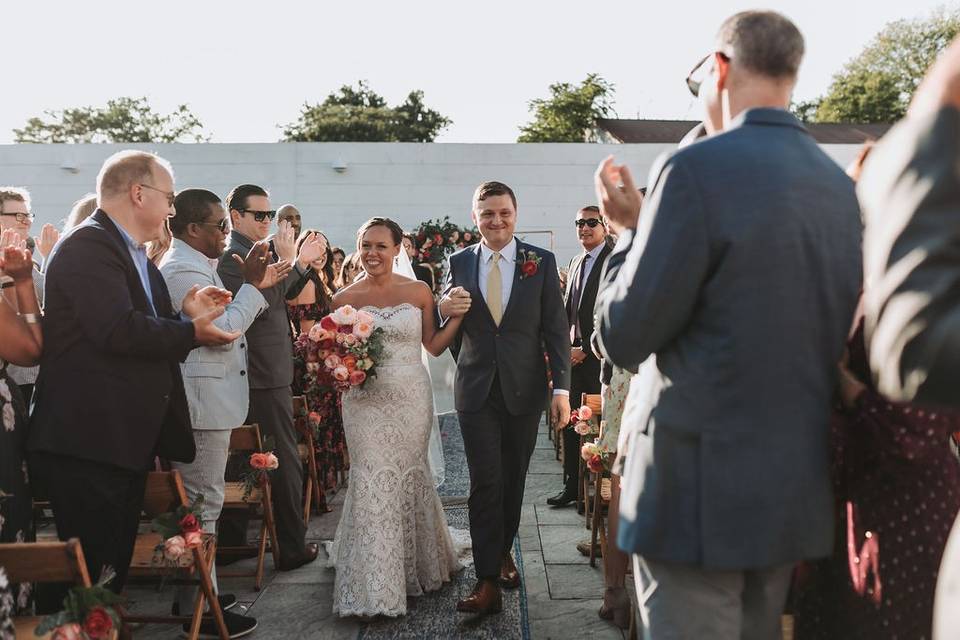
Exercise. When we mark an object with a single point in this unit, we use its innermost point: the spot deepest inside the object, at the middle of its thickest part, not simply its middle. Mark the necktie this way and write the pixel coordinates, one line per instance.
(575, 302)
(495, 289)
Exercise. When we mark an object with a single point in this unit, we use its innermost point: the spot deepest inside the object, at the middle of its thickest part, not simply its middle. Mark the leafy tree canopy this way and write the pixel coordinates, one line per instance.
(571, 112)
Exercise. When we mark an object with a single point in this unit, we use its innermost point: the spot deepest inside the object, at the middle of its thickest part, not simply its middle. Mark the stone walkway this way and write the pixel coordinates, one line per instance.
(563, 591)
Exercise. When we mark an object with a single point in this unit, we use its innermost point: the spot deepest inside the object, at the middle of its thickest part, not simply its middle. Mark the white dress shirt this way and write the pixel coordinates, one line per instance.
(507, 265)
(588, 267)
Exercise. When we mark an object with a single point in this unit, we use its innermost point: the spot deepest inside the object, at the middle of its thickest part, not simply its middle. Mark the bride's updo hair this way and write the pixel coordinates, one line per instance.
(395, 231)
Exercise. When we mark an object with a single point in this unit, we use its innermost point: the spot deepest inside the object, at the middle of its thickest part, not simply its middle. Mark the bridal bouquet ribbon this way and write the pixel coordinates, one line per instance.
(88, 613)
(345, 346)
(181, 531)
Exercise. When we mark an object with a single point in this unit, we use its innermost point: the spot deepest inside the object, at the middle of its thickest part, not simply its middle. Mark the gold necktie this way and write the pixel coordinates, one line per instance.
(495, 289)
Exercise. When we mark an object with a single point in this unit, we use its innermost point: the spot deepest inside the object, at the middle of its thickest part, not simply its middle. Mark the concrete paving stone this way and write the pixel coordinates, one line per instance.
(542, 464)
(567, 619)
(528, 515)
(559, 544)
(324, 526)
(317, 572)
(300, 611)
(539, 487)
(529, 536)
(547, 515)
(575, 581)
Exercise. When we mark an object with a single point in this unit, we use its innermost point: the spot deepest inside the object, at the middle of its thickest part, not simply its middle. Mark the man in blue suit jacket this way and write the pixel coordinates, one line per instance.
(110, 396)
(742, 277)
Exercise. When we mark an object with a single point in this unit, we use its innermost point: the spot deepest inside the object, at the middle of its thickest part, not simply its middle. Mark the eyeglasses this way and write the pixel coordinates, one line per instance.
(259, 216)
(223, 224)
(694, 85)
(590, 222)
(22, 218)
(171, 196)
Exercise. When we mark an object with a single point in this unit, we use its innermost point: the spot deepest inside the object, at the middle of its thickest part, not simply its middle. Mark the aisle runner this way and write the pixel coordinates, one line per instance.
(434, 615)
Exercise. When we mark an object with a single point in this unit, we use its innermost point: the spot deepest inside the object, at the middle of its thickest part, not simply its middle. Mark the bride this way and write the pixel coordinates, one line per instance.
(392, 541)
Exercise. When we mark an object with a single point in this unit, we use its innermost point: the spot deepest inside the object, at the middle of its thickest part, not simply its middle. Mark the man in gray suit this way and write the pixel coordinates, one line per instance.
(910, 192)
(271, 361)
(742, 278)
(214, 378)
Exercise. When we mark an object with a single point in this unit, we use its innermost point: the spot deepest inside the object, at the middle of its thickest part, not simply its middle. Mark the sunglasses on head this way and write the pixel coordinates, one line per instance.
(259, 216)
(590, 222)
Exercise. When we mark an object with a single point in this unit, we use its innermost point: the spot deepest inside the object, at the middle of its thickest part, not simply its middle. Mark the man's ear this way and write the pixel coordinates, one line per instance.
(722, 63)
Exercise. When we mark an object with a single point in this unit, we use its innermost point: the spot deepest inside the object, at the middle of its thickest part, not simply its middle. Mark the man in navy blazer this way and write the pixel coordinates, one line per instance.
(110, 397)
(741, 275)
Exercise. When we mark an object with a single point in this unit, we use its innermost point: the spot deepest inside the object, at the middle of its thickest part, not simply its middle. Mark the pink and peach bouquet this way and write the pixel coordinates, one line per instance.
(582, 421)
(181, 531)
(259, 466)
(344, 347)
(88, 613)
(596, 456)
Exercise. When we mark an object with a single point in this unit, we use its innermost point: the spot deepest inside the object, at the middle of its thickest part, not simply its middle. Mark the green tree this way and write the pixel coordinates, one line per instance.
(361, 115)
(877, 85)
(121, 120)
(571, 112)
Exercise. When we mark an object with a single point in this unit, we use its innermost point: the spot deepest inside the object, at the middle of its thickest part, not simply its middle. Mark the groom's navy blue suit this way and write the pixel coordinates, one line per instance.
(500, 390)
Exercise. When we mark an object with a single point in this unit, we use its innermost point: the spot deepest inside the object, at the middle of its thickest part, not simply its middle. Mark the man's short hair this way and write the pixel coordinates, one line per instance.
(493, 188)
(18, 194)
(590, 208)
(125, 169)
(192, 206)
(237, 198)
(764, 42)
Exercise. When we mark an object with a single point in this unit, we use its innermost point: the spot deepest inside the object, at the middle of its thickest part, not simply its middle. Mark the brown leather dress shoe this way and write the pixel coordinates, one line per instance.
(309, 555)
(484, 599)
(509, 576)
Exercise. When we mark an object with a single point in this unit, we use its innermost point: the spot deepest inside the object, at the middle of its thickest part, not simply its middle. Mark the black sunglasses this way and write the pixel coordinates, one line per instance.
(694, 85)
(590, 222)
(223, 224)
(259, 216)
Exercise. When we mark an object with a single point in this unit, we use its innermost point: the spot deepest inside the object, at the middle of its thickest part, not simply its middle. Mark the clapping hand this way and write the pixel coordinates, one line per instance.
(207, 334)
(284, 241)
(16, 262)
(199, 301)
(257, 269)
(617, 194)
(49, 236)
(10, 238)
(313, 247)
(456, 303)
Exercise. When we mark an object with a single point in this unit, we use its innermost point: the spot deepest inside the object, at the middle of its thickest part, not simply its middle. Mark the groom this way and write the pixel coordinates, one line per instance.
(501, 380)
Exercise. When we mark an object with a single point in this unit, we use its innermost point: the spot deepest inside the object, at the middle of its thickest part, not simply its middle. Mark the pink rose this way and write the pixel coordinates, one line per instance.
(272, 462)
(193, 539)
(587, 451)
(318, 333)
(363, 329)
(350, 340)
(582, 428)
(173, 548)
(363, 316)
(585, 412)
(258, 460)
(69, 631)
(332, 362)
(345, 315)
(341, 374)
(357, 377)
(314, 417)
(595, 464)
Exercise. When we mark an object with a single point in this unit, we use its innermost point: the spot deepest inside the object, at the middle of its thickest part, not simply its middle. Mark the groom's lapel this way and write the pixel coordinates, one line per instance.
(515, 289)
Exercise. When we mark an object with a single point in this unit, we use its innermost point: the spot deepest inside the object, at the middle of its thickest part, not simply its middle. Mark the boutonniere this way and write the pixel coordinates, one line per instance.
(529, 263)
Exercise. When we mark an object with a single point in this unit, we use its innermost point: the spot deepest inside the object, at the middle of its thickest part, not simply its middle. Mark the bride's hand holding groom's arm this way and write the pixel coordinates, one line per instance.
(453, 308)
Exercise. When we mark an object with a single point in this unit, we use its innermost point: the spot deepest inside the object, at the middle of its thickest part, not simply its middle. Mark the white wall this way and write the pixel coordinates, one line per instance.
(408, 182)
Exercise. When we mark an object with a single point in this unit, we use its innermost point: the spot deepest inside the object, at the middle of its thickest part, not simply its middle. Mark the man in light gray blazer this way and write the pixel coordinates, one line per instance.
(910, 193)
(742, 278)
(214, 378)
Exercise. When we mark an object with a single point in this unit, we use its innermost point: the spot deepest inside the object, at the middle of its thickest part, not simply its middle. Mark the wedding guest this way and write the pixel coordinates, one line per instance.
(309, 300)
(15, 222)
(742, 278)
(110, 333)
(289, 213)
(270, 344)
(423, 272)
(81, 210)
(338, 258)
(581, 294)
(350, 270)
(159, 245)
(214, 378)
(909, 193)
(21, 341)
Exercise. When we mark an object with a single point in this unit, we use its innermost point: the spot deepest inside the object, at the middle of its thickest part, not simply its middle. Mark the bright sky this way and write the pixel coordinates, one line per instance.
(246, 67)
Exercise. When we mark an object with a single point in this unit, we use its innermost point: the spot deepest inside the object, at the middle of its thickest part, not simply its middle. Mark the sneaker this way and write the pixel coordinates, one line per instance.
(227, 601)
(237, 626)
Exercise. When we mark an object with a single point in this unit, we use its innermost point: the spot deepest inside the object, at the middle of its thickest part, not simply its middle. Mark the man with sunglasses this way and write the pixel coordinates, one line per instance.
(270, 371)
(741, 275)
(581, 294)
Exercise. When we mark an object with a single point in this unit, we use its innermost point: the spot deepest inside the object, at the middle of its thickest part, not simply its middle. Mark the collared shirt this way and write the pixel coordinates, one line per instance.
(588, 267)
(138, 253)
(507, 265)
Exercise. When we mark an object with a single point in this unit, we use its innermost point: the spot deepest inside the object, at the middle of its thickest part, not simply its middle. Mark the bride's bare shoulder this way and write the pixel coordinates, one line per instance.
(349, 294)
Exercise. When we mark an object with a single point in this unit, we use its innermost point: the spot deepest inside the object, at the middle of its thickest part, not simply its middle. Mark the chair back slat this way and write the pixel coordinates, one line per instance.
(45, 562)
(246, 438)
(592, 400)
(163, 492)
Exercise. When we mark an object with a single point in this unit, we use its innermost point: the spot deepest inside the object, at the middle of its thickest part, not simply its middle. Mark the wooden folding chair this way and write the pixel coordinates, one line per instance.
(307, 450)
(164, 493)
(258, 506)
(603, 489)
(595, 402)
(43, 562)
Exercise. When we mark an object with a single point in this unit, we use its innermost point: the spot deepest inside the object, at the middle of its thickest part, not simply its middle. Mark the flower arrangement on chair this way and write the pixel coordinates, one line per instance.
(259, 464)
(584, 422)
(180, 530)
(88, 613)
(597, 456)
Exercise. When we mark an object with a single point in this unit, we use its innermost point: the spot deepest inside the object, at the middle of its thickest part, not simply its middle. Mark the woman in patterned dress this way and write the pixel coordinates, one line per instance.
(308, 301)
(20, 343)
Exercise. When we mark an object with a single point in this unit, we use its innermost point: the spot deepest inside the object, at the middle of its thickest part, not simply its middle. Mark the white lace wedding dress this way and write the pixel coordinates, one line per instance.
(392, 541)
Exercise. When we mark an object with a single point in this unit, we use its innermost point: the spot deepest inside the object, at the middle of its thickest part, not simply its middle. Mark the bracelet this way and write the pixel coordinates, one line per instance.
(31, 318)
